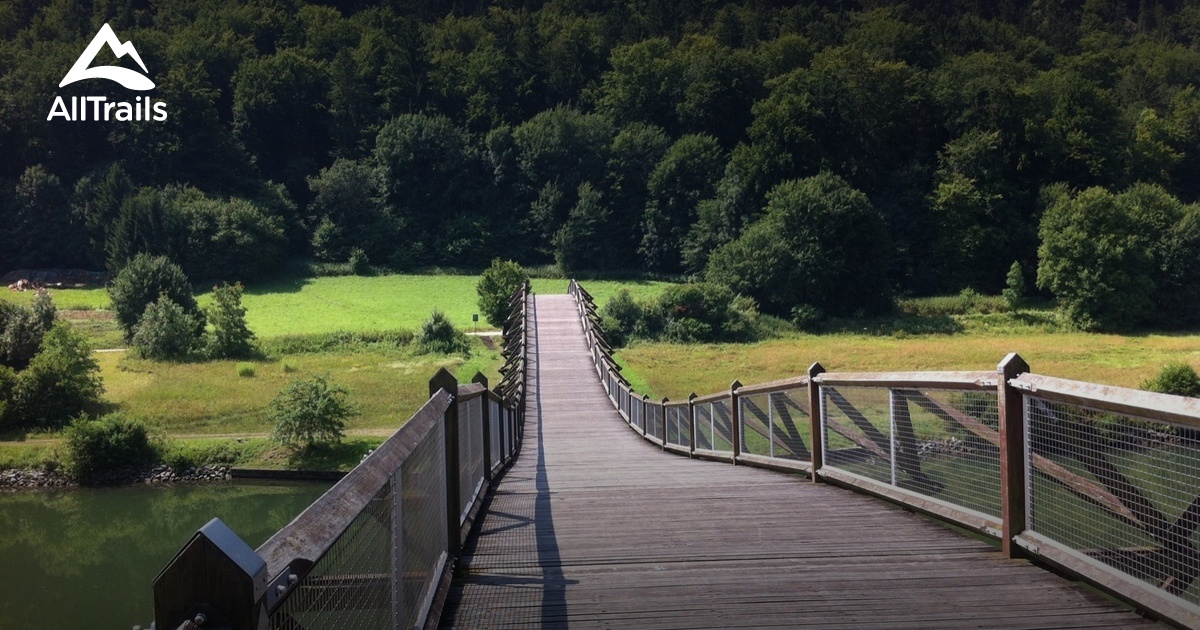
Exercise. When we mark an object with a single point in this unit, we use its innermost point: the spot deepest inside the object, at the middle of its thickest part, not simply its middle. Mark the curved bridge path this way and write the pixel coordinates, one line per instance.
(594, 527)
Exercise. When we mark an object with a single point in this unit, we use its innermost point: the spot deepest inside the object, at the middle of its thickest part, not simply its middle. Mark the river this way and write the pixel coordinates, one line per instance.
(86, 557)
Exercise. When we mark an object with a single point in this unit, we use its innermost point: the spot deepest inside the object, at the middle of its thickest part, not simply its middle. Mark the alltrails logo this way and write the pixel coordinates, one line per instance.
(100, 108)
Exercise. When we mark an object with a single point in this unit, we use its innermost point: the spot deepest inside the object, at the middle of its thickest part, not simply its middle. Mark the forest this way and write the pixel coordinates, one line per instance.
(816, 156)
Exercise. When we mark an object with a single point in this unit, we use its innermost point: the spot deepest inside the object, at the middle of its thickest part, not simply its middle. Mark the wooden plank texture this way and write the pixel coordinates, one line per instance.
(592, 526)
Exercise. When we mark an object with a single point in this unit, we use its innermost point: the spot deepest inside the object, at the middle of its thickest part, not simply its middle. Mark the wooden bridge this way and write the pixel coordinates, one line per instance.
(561, 497)
(596, 527)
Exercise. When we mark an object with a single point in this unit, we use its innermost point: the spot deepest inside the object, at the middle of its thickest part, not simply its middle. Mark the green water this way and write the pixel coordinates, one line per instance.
(85, 558)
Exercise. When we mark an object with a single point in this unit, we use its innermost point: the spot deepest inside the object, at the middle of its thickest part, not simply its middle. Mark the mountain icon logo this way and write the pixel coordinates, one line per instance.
(126, 77)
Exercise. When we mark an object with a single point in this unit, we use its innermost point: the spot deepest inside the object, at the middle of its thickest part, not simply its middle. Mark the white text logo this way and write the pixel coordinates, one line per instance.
(100, 107)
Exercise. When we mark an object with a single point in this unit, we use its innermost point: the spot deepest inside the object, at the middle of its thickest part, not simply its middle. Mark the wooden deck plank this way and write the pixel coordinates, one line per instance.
(592, 526)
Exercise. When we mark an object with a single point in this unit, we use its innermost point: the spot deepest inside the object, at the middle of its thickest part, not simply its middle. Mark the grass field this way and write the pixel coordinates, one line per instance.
(671, 370)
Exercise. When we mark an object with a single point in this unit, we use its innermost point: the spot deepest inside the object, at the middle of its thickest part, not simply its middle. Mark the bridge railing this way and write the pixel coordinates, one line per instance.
(1102, 482)
(376, 550)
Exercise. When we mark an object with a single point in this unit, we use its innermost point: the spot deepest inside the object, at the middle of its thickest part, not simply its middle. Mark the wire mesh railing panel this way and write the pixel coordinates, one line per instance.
(351, 585)
(470, 452)
(678, 428)
(714, 426)
(494, 423)
(654, 420)
(857, 431)
(635, 406)
(947, 446)
(1124, 490)
(775, 424)
(423, 501)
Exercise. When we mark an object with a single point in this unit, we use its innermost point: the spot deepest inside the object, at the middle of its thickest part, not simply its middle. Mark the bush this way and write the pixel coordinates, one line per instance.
(166, 332)
(231, 338)
(245, 370)
(8, 388)
(359, 265)
(496, 286)
(141, 282)
(61, 382)
(22, 329)
(106, 444)
(311, 411)
(700, 312)
(620, 317)
(1179, 379)
(438, 335)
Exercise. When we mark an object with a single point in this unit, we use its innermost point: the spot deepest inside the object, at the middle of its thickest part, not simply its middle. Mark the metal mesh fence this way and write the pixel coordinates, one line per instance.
(678, 428)
(423, 494)
(470, 452)
(351, 585)
(1121, 489)
(776, 424)
(494, 422)
(635, 407)
(714, 426)
(940, 443)
(654, 420)
(364, 580)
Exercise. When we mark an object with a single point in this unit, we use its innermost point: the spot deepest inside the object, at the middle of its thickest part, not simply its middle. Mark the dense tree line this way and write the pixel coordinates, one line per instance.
(675, 137)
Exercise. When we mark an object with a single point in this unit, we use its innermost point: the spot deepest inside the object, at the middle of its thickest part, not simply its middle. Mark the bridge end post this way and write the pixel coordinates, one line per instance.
(662, 414)
(445, 380)
(735, 421)
(216, 578)
(1011, 412)
(816, 439)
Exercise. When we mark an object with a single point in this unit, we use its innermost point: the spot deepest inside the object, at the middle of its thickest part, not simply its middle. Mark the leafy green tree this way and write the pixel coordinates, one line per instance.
(349, 208)
(142, 282)
(687, 174)
(820, 244)
(22, 329)
(230, 239)
(1014, 287)
(1096, 260)
(582, 242)
(311, 411)
(166, 332)
(230, 338)
(280, 110)
(61, 382)
(417, 156)
(96, 203)
(636, 150)
(43, 233)
(496, 285)
(147, 223)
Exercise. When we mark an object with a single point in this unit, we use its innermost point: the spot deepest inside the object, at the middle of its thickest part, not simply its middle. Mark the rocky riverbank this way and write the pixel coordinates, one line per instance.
(29, 479)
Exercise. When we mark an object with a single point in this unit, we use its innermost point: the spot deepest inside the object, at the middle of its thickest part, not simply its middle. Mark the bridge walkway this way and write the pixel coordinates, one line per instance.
(594, 527)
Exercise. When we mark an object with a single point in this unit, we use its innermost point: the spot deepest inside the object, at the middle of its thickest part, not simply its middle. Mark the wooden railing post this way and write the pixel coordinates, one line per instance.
(817, 445)
(445, 380)
(662, 415)
(1011, 412)
(735, 421)
(645, 402)
(692, 423)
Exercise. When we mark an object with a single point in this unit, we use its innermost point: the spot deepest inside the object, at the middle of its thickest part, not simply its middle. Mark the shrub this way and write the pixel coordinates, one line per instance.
(109, 443)
(438, 335)
(245, 370)
(359, 265)
(61, 382)
(1014, 286)
(166, 332)
(310, 411)
(699, 312)
(620, 317)
(141, 282)
(496, 286)
(231, 338)
(22, 329)
(287, 368)
(1179, 379)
